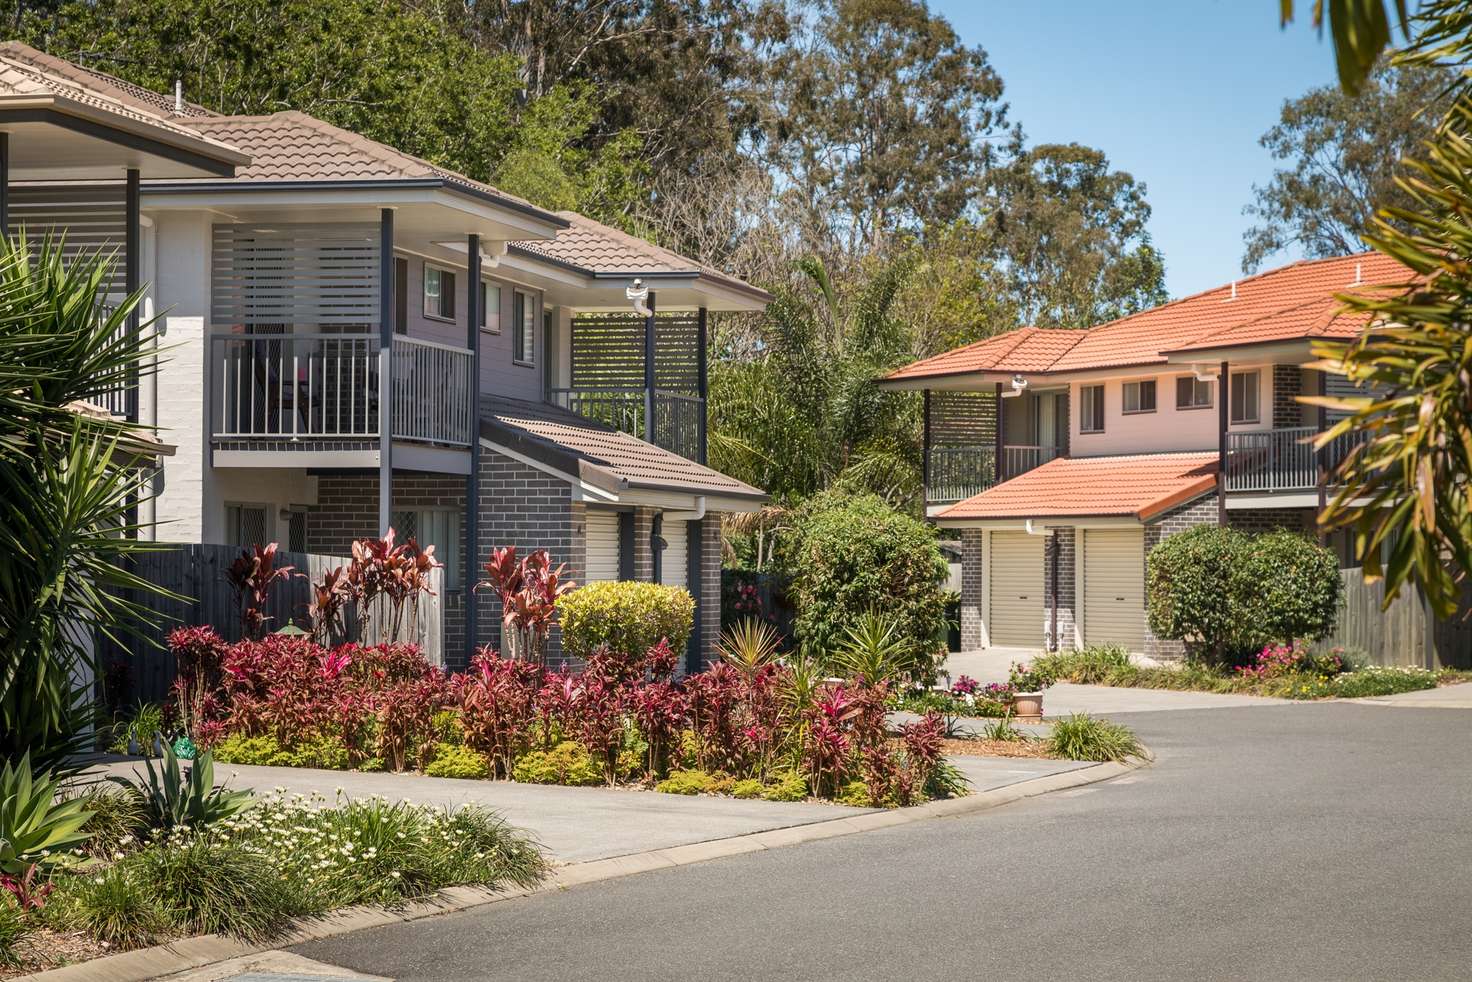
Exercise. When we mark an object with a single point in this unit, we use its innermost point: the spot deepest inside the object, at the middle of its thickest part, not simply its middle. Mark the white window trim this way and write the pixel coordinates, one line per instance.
(1138, 412)
(424, 290)
(1256, 416)
(530, 300)
(1211, 398)
(1083, 400)
(485, 308)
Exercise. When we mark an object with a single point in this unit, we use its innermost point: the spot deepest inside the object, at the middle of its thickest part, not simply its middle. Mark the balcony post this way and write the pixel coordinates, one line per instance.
(471, 556)
(1224, 395)
(1321, 423)
(997, 476)
(649, 371)
(925, 445)
(702, 383)
(4, 183)
(133, 244)
(385, 369)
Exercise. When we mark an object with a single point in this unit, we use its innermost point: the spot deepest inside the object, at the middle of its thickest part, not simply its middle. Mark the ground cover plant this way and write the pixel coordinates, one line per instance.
(1286, 671)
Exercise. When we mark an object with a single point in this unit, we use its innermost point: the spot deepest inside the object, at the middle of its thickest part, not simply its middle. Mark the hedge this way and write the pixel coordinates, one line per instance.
(629, 617)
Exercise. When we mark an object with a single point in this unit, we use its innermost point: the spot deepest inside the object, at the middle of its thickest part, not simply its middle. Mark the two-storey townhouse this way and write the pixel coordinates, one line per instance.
(1063, 457)
(352, 338)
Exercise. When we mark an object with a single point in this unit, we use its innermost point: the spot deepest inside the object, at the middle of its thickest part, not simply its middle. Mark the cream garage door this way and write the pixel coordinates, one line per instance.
(602, 541)
(674, 565)
(1016, 578)
(1114, 587)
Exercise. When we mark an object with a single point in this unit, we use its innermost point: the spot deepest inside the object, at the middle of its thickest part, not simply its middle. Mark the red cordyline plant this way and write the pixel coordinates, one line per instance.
(714, 699)
(385, 575)
(29, 895)
(330, 596)
(197, 655)
(405, 713)
(528, 589)
(252, 577)
(826, 745)
(498, 707)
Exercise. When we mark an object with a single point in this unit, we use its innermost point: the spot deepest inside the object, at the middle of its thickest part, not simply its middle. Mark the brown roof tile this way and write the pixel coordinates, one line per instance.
(578, 445)
(155, 103)
(1139, 486)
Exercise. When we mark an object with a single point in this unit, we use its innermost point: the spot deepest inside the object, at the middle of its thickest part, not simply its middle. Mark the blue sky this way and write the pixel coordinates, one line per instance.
(1175, 93)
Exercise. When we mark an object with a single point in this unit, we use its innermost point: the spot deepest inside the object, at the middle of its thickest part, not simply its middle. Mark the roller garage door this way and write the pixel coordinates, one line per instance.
(1114, 587)
(602, 538)
(1016, 585)
(674, 565)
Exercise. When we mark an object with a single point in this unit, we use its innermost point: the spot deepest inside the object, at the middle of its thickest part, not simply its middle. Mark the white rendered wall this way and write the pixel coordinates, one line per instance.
(1166, 429)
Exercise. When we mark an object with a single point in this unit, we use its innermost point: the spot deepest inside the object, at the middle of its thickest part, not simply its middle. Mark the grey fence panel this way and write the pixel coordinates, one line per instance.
(1406, 633)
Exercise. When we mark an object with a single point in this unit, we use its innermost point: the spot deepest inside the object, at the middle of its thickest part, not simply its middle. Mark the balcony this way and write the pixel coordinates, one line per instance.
(1267, 461)
(678, 419)
(956, 473)
(291, 393)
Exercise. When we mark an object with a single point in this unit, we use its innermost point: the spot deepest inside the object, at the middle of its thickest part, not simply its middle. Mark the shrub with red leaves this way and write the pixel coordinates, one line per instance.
(405, 713)
(659, 710)
(498, 707)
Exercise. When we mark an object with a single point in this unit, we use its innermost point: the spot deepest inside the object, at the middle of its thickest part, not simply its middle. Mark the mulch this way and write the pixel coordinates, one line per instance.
(47, 949)
(995, 748)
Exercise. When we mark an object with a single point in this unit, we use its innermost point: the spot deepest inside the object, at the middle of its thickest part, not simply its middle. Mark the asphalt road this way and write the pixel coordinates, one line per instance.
(1301, 842)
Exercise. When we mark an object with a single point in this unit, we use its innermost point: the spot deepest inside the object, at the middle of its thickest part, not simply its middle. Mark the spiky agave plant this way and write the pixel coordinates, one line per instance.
(748, 645)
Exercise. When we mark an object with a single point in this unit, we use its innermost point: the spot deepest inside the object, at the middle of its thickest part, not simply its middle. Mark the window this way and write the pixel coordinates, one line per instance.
(1192, 393)
(296, 529)
(1139, 397)
(245, 525)
(401, 295)
(439, 293)
(524, 327)
(1091, 409)
(1244, 397)
(490, 307)
(436, 527)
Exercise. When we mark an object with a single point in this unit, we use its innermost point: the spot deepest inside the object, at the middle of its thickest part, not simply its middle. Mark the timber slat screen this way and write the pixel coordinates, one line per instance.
(295, 274)
(197, 572)
(1404, 634)
(963, 428)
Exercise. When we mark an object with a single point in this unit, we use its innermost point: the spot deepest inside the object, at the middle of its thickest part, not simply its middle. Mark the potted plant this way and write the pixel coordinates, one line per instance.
(1027, 691)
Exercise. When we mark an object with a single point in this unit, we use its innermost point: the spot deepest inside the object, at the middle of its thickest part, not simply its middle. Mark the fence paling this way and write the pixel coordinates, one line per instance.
(1405, 634)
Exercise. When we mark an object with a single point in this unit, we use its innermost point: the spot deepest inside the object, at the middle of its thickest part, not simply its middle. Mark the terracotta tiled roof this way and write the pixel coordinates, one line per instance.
(1139, 486)
(293, 146)
(603, 250)
(1289, 303)
(155, 103)
(606, 457)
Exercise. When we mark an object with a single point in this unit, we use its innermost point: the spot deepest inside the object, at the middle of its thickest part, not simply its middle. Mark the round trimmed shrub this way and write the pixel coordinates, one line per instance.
(1291, 587)
(1189, 589)
(629, 617)
(853, 556)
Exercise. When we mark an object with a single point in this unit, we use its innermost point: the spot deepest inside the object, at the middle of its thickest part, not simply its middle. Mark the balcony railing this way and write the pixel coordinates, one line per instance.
(957, 473)
(678, 419)
(1282, 459)
(312, 388)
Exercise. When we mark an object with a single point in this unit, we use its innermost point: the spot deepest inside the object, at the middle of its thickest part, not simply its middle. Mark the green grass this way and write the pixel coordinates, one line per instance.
(206, 886)
(1085, 737)
(13, 929)
(114, 906)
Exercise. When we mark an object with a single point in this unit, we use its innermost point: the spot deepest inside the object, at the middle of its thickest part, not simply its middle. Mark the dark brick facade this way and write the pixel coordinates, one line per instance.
(1271, 519)
(1287, 383)
(971, 587)
(708, 613)
(1064, 541)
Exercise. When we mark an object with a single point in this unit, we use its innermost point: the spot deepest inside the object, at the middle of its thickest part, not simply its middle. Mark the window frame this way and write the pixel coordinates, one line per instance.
(488, 285)
(1087, 403)
(1124, 401)
(1256, 389)
(231, 530)
(443, 296)
(451, 550)
(1194, 382)
(524, 328)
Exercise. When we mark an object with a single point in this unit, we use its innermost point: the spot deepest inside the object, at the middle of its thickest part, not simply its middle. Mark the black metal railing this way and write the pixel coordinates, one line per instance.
(674, 421)
(957, 473)
(1282, 459)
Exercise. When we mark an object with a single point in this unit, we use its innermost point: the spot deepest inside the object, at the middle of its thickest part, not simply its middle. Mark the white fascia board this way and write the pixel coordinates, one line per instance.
(1051, 522)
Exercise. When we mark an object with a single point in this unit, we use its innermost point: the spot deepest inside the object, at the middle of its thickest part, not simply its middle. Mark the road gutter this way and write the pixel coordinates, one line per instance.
(162, 961)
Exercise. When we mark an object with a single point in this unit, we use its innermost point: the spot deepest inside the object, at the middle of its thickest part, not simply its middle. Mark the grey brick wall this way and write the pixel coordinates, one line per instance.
(708, 614)
(1287, 383)
(970, 589)
(1201, 511)
(1063, 540)
(1268, 519)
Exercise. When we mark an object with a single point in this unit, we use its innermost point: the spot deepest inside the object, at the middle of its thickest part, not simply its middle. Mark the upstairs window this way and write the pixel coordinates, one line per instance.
(439, 293)
(490, 307)
(1244, 396)
(1139, 397)
(524, 328)
(1192, 393)
(1091, 409)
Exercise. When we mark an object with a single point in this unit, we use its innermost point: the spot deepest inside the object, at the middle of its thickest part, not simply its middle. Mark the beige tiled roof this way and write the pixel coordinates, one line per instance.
(577, 445)
(155, 103)
(292, 146)
(602, 249)
(1289, 303)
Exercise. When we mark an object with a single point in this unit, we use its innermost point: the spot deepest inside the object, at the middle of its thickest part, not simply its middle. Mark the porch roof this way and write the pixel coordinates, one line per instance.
(605, 458)
(1138, 486)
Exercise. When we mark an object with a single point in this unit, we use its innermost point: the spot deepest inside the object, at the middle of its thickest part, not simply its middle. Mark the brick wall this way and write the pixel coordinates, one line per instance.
(643, 554)
(1064, 541)
(971, 584)
(1287, 383)
(1268, 519)
(709, 612)
(1202, 511)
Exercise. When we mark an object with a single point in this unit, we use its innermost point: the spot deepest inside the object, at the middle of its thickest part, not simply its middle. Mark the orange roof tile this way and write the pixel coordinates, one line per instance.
(1288, 303)
(1139, 486)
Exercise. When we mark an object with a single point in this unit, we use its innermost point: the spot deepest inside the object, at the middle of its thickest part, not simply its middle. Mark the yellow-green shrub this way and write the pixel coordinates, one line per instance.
(457, 761)
(686, 782)
(567, 763)
(629, 617)
(788, 786)
(748, 788)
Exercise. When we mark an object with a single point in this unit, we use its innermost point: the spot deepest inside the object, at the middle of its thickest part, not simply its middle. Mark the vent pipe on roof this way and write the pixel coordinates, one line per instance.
(1234, 290)
(1359, 274)
(179, 95)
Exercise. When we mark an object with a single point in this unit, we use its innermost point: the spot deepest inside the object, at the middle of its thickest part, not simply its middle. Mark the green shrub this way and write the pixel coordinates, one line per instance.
(788, 786)
(686, 782)
(1085, 737)
(212, 887)
(324, 753)
(1227, 593)
(115, 819)
(1379, 681)
(13, 930)
(114, 906)
(946, 781)
(851, 556)
(747, 788)
(251, 750)
(629, 617)
(856, 795)
(146, 723)
(567, 763)
(452, 761)
(172, 798)
(36, 827)
(1091, 666)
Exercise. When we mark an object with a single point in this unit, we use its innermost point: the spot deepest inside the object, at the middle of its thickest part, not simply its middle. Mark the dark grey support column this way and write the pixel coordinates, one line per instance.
(1321, 423)
(649, 371)
(702, 340)
(998, 476)
(626, 545)
(925, 450)
(1224, 396)
(656, 546)
(470, 561)
(695, 580)
(5, 183)
(132, 276)
(385, 369)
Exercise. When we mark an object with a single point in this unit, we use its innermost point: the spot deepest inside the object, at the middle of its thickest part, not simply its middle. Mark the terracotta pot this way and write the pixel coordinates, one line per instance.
(1027, 705)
